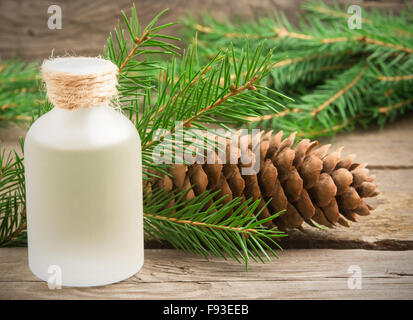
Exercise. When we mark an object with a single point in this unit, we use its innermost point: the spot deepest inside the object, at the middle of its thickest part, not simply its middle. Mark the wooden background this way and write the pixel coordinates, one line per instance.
(381, 244)
(86, 24)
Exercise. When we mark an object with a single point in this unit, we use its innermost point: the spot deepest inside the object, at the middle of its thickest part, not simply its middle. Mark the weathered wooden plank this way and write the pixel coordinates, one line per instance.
(171, 274)
(390, 147)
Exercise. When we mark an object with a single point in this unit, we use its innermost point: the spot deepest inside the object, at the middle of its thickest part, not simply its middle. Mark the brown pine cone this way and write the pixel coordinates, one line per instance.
(309, 183)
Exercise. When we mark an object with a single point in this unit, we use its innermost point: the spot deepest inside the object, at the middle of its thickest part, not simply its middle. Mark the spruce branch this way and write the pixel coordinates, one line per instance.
(387, 109)
(138, 42)
(128, 48)
(181, 92)
(338, 94)
(233, 91)
(12, 199)
(375, 20)
(181, 98)
(325, 131)
(244, 231)
(316, 109)
(395, 78)
(19, 90)
(190, 227)
(318, 65)
(283, 32)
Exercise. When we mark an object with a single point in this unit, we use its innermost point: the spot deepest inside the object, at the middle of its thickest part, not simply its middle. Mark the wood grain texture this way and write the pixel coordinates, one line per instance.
(171, 274)
(390, 147)
(86, 24)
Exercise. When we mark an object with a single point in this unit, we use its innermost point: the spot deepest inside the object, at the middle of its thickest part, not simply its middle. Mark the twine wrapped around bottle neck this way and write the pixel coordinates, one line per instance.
(80, 82)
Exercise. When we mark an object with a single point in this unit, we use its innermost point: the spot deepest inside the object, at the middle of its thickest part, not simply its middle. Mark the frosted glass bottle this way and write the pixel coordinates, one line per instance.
(84, 196)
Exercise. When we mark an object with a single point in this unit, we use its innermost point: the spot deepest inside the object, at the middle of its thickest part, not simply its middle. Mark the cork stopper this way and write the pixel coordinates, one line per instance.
(79, 82)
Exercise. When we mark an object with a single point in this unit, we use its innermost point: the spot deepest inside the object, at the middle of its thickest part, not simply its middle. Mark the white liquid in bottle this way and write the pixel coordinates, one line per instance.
(84, 192)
